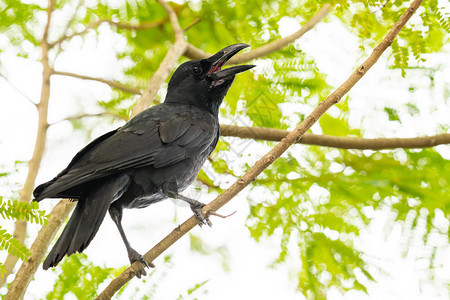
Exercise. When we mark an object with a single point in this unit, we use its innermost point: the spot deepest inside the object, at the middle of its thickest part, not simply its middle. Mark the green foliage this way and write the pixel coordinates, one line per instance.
(316, 200)
(199, 246)
(22, 211)
(80, 278)
(325, 204)
(196, 289)
(19, 22)
(16, 210)
(392, 114)
(13, 246)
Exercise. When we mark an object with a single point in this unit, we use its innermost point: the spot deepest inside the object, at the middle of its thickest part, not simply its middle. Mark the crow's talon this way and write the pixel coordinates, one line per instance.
(141, 272)
(202, 220)
(134, 256)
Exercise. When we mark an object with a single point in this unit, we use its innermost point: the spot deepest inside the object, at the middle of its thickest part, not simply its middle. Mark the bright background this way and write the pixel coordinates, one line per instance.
(246, 274)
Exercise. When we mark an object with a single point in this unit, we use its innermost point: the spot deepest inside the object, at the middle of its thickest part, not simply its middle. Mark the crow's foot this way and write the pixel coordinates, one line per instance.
(204, 219)
(134, 256)
(197, 209)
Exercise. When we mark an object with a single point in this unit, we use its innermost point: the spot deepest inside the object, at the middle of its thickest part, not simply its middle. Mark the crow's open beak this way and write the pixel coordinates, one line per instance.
(220, 58)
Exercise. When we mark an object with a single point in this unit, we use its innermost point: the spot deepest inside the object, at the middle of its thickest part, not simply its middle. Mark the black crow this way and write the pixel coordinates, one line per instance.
(154, 156)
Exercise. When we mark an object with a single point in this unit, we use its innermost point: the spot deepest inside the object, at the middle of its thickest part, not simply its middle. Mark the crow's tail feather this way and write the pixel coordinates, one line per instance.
(86, 220)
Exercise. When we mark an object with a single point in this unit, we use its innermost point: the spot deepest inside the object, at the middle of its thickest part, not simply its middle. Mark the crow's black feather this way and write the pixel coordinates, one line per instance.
(156, 155)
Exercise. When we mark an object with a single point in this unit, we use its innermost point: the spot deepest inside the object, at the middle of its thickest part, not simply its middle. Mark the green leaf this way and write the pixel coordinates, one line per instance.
(392, 113)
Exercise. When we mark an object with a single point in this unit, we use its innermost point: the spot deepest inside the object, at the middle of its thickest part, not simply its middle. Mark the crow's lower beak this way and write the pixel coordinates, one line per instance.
(221, 57)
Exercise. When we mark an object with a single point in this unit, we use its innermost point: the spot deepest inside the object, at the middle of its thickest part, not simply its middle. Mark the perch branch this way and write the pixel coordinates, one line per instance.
(267, 159)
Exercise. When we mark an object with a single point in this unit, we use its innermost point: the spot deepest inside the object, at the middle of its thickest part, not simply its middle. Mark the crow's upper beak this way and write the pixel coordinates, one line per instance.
(221, 57)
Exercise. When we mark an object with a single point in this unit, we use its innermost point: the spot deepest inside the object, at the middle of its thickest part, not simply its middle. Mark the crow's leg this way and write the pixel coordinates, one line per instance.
(133, 255)
(170, 190)
(196, 207)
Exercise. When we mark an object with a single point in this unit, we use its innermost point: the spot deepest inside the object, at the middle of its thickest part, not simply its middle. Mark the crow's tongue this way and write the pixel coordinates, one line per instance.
(216, 67)
(220, 58)
(228, 72)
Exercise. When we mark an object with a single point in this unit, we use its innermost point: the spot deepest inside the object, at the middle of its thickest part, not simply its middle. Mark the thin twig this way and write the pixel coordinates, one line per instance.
(173, 19)
(81, 116)
(18, 91)
(266, 160)
(111, 83)
(377, 10)
(193, 52)
(192, 24)
(270, 134)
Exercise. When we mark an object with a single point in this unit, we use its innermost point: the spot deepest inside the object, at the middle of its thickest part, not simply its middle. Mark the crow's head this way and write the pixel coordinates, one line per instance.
(203, 82)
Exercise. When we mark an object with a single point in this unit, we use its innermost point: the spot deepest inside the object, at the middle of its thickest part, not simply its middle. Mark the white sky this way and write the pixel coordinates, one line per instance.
(249, 275)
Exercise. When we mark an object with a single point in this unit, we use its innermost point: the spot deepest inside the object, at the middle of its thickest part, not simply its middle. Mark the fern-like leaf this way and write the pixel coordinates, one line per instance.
(13, 246)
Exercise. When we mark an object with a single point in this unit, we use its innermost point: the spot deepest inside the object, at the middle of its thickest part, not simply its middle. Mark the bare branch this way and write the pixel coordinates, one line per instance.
(166, 65)
(266, 160)
(28, 269)
(111, 83)
(173, 19)
(95, 24)
(270, 134)
(194, 53)
(39, 147)
(50, 8)
(81, 116)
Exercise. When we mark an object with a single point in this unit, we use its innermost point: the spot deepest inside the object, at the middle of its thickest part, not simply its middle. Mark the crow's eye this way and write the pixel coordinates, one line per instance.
(197, 70)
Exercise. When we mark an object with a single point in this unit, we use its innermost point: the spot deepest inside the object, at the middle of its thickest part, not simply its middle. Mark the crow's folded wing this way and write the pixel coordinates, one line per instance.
(143, 142)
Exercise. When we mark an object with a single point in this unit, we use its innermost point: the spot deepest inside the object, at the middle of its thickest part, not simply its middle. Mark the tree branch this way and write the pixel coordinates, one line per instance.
(267, 159)
(193, 52)
(39, 147)
(166, 65)
(270, 134)
(111, 83)
(60, 212)
(81, 116)
(95, 24)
